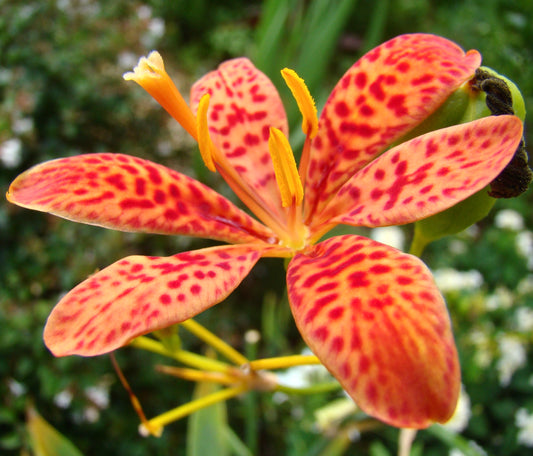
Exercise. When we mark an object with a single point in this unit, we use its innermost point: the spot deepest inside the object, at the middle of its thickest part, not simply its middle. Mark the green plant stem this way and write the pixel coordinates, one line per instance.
(214, 341)
(314, 389)
(185, 357)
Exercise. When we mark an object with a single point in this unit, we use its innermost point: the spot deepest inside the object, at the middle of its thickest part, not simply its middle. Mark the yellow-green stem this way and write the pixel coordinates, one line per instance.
(214, 341)
(162, 420)
(283, 362)
(188, 358)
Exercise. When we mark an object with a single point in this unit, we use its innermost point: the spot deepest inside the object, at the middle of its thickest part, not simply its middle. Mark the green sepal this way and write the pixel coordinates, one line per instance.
(451, 221)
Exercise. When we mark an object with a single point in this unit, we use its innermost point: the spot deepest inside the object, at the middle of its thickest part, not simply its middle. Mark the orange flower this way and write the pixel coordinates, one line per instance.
(371, 313)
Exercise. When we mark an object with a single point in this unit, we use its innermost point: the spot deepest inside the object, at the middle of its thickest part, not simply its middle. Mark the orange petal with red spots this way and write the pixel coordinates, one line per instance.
(386, 93)
(137, 295)
(130, 194)
(427, 174)
(244, 105)
(376, 320)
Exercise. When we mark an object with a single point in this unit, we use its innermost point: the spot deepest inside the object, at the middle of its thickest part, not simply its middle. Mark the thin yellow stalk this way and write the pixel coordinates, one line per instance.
(162, 420)
(214, 341)
(283, 362)
(199, 376)
(188, 358)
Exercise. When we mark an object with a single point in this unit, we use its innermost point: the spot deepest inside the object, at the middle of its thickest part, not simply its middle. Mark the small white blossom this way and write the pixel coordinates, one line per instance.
(509, 219)
(524, 421)
(98, 395)
(524, 246)
(502, 298)
(389, 235)
(512, 357)
(524, 319)
(303, 376)
(456, 452)
(144, 12)
(16, 388)
(63, 399)
(127, 60)
(483, 354)
(11, 152)
(449, 279)
(22, 126)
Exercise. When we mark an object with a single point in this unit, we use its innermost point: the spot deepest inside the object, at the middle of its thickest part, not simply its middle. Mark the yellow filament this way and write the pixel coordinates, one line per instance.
(150, 74)
(204, 140)
(289, 182)
(305, 101)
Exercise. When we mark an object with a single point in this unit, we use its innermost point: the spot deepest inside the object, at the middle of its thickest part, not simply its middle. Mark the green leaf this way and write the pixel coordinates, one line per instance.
(206, 432)
(46, 440)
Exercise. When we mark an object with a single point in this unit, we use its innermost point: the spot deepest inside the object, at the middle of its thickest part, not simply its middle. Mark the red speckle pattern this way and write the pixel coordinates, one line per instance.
(382, 96)
(411, 181)
(244, 105)
(132, 194)
(137, 295)
(388, 346)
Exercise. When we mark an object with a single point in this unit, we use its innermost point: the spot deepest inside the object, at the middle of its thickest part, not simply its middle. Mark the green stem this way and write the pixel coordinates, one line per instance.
(214, 341)
(160, 421)
(418, 244)
(314, 389)
(185, 357)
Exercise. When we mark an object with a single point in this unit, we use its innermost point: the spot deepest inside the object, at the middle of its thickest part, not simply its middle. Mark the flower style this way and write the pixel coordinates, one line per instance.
(371, 313)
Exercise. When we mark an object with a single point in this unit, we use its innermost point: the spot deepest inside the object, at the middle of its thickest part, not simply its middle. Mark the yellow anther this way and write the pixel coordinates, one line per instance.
(289, 182)
(150, 74)
(305, 101)
(205, 144)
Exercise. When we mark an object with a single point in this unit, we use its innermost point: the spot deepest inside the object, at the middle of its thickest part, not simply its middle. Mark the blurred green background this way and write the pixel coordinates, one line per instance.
(61, 93)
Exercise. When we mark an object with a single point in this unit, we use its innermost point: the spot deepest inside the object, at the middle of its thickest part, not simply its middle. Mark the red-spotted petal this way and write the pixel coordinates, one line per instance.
(244, 105)
(382, 96)
(139, 294)
(427, 174)
(376, 320)
(130, 194)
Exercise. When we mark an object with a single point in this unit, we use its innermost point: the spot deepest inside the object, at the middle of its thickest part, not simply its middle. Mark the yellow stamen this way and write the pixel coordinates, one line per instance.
(305, 101)
(207, 148)
(287, 176)
(150, 74)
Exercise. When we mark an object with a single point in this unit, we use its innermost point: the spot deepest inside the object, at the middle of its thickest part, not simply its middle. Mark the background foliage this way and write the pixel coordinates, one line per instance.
(61, 93)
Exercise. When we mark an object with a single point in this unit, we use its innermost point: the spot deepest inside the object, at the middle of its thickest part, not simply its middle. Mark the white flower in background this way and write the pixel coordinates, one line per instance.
(11, 152)
(144, 12)
(509, 219)
(524, 246)
(460, 418)
(456, 452)
(156, 27)
(127, 59)
(457, 246)
(502, 298)
(98, 395)
(389, 235)
(481, 341)
(63, 399)
(525, 285)
(524, 319)
(303, 376)
(16, 388)
(22, 126)
(512, 357)
(524, 422)
(449, 279)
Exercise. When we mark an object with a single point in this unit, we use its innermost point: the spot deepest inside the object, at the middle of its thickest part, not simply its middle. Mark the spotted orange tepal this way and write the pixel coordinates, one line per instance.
(372, 314)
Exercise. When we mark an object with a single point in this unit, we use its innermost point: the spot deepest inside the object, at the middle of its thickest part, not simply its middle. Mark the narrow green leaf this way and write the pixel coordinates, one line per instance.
(206, 433)
(46, 440)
